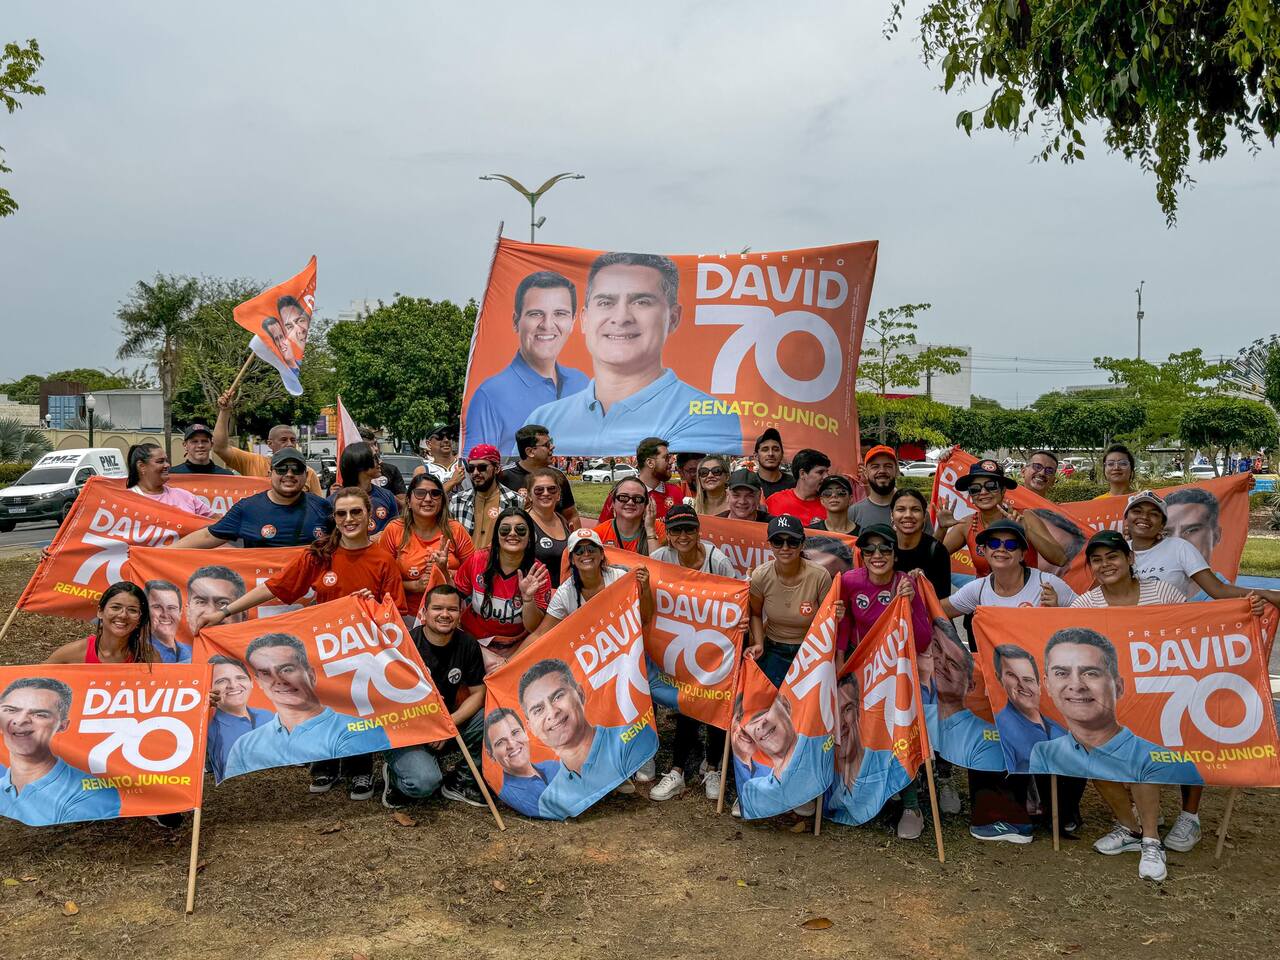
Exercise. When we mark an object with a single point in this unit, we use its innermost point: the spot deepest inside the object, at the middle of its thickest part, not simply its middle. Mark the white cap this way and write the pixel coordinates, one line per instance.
(581, 534)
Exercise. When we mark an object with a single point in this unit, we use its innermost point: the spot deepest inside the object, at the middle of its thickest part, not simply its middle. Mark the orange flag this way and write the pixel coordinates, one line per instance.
(280, 320)
(746, 544)
(217, 490)
(90, 549)
(96, 742)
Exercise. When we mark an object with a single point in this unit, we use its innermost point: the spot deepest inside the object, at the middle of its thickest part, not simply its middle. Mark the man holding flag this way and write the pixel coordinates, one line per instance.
(246, 462)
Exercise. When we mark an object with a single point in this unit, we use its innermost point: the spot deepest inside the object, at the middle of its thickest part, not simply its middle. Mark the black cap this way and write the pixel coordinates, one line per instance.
(986, 468)
(285, 454)
(681, 515)
(742, 477)
(785, 525)
(439, 432)
(1003, 526)
(196, 428)
(1109, 539)
(836, 480)
(881, 530)
(770, 434)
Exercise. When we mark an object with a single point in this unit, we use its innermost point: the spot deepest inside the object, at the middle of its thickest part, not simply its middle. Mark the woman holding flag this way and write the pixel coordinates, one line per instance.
(426, 544)
(149, 476)
(987, 485)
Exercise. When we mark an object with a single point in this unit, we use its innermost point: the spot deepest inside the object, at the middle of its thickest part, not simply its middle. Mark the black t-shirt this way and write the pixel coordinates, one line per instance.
(930, 556)
(210, 467)
(392, 479)
(785, 482)
(516, 477)
(549, 550)
(457, 664)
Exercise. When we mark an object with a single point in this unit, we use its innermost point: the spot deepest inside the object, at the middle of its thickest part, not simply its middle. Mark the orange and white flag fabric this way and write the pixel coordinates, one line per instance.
(81, 742)
(348, 433)
(90, 549)
(746, 544)
(1177, 693)
(219, 491)
(280, 320)
(568, 718)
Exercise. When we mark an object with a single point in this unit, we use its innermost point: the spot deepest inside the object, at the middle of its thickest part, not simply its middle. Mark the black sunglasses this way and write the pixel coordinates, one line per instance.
(995, 543)
(991, 486)
(296, 469)
(873, 548)
(784, 542)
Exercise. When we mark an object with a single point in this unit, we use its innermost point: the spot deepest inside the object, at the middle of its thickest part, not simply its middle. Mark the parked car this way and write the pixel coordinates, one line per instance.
(50, 487)
(918, 468)
(601, 474)
(407, 463)
(1202, 471)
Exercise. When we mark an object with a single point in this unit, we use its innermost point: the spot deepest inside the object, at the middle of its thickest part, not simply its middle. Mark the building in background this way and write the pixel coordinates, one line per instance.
(953, 389)
(130, 409)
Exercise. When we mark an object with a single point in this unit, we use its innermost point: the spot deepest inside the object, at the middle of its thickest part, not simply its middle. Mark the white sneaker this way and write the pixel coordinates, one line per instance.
(711, 784)
(648, 770)
(1151, 866)
(1120, 840)
(806, 809)
(1184, 834)
(625, 788)
(948, 799)
(736, 809)
(671, 785)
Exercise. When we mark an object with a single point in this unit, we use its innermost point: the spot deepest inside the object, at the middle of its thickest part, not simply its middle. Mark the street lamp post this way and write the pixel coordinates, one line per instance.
(89, 403)
(1141, 284)
(533, 195)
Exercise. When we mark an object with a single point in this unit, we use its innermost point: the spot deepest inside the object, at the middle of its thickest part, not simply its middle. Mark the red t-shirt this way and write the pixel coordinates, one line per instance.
(505, 603)
(664, 496)
(807, 512)
(346, 572)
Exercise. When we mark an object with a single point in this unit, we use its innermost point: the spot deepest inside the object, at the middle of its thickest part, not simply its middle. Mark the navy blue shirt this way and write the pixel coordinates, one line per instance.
(261, 522)
(210, 467)
(500, 405)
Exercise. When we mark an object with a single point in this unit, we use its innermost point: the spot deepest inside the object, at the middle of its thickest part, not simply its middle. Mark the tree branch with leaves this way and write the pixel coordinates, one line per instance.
(18, 66)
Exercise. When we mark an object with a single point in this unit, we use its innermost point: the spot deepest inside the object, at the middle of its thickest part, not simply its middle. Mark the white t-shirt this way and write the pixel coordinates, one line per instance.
(982, 593)
(1150, 592)
(716, 562)
(1172, 560)
(566, 600)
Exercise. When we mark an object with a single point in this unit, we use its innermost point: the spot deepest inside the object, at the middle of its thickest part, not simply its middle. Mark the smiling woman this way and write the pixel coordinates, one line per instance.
(122, 630)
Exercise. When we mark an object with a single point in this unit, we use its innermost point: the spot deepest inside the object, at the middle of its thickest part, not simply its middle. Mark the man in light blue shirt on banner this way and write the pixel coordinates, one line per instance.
(303, 729)
(545, 306)
(865, 780)
(956, 732)
(631, 309)
(801, 766)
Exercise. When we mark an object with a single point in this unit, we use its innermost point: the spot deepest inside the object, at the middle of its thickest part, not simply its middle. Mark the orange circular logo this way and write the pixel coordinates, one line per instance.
(267, 531)
(806, 609)
(493, 513)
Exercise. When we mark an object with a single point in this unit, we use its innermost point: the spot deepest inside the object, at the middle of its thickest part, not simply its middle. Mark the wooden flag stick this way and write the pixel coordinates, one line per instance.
(1226, 821)
(1053, 802)
(191, 867)
(817, 815)
(14, 612)
(484, 787)
(240, 376)
(933, 805)
(724, 773)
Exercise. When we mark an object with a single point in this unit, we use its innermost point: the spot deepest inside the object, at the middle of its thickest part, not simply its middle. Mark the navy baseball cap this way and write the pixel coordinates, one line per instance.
(197, 428)
(1002, 526)
(985, 468)
(786, 526)
(681, 516)
(881, 530)
(1108, 540)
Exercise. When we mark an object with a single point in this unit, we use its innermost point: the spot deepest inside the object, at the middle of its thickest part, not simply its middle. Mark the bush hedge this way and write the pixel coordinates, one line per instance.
(10, 472)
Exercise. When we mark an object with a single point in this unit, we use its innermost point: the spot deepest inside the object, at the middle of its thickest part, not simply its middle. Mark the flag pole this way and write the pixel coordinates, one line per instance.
(933, 805)
(1226, 820)
(14, 612)
(724, 773)
(1053, 801)
(817, 815)
(193, 866)
(484, 787)
(240, 376)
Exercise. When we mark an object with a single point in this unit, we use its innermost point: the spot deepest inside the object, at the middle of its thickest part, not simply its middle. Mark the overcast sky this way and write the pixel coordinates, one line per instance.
(237, 138)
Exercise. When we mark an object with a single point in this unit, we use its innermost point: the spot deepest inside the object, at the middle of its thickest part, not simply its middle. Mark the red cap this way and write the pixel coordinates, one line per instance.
(485, 451)
(877, 450)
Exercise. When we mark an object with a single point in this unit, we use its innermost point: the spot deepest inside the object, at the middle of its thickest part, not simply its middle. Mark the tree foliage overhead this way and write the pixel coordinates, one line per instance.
(403, 366)
(18, 66)
(907, 419)
(1164, 387)
(1222, 423)
(1164, 78)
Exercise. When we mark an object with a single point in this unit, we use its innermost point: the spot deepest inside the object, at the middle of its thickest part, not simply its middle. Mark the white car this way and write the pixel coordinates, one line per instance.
(1203, 471)
(918, 468)
(601, 474)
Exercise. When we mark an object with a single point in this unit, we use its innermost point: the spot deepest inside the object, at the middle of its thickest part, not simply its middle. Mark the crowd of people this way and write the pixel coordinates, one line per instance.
(481, 558)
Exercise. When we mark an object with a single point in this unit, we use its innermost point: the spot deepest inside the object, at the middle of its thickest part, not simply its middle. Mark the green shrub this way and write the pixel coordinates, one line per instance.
(923, 484)
(10, 472)
(1069, 491)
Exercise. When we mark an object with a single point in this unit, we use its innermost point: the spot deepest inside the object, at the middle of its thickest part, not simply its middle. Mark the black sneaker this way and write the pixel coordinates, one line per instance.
(361, 787)
(463, 792)
(322, 782)
(170, 821)
(392, 798)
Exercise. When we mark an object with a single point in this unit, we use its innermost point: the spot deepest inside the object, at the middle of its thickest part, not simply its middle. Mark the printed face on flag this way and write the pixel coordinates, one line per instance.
(1158, 694)
(333, 680)
(783, 739)
(708, 349)
(280, 321)
(746, 544)
(694, 644)
(88, 553)
(569, 717)
(122, 740)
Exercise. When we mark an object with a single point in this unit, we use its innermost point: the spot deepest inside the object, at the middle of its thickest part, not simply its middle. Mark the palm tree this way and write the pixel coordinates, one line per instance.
(156, 324)
(21, 444)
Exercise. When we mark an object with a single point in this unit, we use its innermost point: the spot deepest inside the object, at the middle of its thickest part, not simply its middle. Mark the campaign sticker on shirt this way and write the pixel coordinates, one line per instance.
(544, 543)
(455, 676)
(862, 600)
(884, 597)
(330, 579)
(380, 512)
(318, 531)
(267, 532)
(380, 481)
(670, 502)
(493, 513)
(806, 608)
(414, 573)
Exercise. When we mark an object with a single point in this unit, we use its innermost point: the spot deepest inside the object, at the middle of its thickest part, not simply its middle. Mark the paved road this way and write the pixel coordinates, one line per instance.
(26, 537)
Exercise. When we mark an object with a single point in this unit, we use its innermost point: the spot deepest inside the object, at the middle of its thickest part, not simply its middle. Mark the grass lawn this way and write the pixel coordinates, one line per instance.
(590, 496)
(1261, 557)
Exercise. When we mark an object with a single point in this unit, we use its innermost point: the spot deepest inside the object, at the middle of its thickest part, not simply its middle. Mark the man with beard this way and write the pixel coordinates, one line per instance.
(797, 769)
(232, 716)
(1021, 724)
(769, 453)
(865, 779)
(477, 509)
(442, 462)
(654, 471)
(211, 589)
(1040, 472)
(880, 472)
(508, 744)
(164, 600)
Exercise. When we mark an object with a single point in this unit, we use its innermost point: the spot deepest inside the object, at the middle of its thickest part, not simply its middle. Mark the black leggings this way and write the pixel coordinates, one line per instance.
(687, 751)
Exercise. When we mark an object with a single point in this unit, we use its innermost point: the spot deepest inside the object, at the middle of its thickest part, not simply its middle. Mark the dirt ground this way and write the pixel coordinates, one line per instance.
(288, 875)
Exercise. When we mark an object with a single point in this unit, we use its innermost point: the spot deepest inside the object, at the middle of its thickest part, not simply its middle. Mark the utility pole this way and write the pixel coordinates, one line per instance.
(533, 195)
(1141, 284)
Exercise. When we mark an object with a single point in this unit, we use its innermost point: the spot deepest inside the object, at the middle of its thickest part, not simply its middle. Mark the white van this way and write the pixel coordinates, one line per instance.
(47, 490)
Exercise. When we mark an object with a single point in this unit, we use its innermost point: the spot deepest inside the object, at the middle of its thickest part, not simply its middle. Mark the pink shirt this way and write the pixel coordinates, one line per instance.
(176, 497)
(865, 601)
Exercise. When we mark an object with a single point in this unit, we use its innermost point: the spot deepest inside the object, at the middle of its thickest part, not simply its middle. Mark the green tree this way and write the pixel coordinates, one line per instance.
(977, 402)
(1071, 422)
(1223, 423)
(92, 379)
(907, 419)
(18, 66)
(24, 389)
(1271, 378)
(890, 362)
(156, 324)
(1150, 74)
(403, 366)
(981, 430)
(21, 444)
(1165, 388)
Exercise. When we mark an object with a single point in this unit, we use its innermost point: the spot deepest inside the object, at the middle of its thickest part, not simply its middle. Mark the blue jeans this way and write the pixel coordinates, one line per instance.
(415, 771)
(776, 660)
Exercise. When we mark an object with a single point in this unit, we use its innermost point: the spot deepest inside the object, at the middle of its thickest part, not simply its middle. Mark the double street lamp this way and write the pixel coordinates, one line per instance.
(533, 195)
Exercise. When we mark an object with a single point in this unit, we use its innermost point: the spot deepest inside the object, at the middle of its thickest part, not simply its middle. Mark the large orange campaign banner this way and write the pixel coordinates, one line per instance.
(280, 320)
(703, 350)
(746, 544)
(1161, 694)
(337, 679)
(881, 740)
(783, 738)
(1212, 515)
(218, 490)
(182, 585)
(569, 717)
(694, 644)
(90, 549)
(80, 742)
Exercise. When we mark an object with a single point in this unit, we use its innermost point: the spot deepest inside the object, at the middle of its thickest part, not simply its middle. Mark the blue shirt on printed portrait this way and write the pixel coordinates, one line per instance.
(522, 793)
(609, 762)
(57, 797)
(1125, 758)
(326, 736)
(181, 652)
(224, 730)
(807, 775)
(880, 778)
(1018, 736)
(965, 739)
(499, 406)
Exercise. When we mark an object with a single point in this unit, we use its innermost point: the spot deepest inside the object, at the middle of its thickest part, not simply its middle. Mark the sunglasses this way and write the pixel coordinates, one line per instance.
(690, 528)
(834, 491)
(296, 469)
(785, 543)
(1037, 468)
(479, 467)
(547, 491)
(991, 486)
(636, 498)
(874, 548)
(422, 493)
(710, 472)
(517, 530)
(995, 543)
(343, 514)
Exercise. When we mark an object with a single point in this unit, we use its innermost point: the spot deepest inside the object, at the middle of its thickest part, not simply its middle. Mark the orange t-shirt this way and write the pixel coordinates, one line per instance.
(416, 558)
(346, 572)
(609, 534)
(250, 464)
